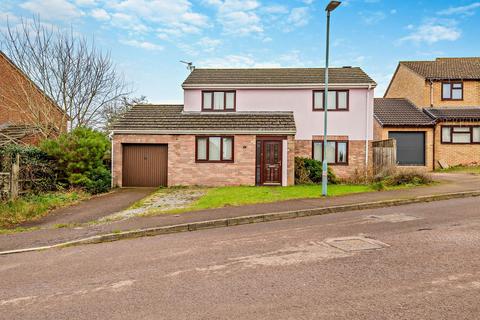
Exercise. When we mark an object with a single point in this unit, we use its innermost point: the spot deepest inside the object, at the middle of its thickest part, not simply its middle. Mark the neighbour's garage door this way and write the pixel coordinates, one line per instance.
(410, 147)
(145, 165)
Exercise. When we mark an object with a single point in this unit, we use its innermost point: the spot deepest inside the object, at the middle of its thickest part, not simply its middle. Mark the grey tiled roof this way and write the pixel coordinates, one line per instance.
(172, 118)
(347, 75)
(10, 133)
(447, 68)
(455, 113)
(399, 112)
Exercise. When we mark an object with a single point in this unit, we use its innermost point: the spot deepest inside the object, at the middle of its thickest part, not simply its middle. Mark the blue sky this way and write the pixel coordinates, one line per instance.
(148, 38)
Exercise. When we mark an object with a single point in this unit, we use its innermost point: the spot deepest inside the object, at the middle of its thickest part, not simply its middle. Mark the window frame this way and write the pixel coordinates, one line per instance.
(224, 101)
(336, 100)
(451, 83)
(208, 149)
(452, 131)
(336, 163)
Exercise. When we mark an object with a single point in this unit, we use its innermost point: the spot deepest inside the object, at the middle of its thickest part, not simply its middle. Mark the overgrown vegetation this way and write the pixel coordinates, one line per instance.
(33, 206)
(309, 171)
(80, 157)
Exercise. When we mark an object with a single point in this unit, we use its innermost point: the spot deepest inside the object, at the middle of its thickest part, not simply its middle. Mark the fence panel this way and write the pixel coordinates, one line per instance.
(384, 155)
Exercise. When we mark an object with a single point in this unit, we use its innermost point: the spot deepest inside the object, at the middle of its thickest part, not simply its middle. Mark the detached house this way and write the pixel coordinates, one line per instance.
(245, 127)
(24, 108)
(432, 109)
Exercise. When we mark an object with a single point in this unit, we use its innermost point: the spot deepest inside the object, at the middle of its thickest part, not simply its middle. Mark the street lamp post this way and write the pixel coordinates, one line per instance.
(330, 7)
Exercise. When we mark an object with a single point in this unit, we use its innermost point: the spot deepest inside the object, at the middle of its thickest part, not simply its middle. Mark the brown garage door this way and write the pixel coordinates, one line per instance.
(145, 165)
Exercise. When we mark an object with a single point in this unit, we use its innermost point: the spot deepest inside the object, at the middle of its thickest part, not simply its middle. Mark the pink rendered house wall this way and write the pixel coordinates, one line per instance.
(355, 123)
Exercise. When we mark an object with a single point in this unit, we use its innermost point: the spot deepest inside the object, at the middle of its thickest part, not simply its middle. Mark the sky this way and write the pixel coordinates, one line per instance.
(147, 39)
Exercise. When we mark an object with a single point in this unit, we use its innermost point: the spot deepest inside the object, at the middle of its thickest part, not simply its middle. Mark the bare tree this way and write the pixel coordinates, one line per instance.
(69, 68)
(115, 109)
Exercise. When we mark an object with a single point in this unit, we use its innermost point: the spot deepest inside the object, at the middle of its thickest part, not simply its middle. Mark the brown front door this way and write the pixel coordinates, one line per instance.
(272, 162)
(145, 165)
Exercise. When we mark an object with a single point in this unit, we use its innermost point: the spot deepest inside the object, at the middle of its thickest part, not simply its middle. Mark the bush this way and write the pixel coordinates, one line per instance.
(408, 177)
(79, 155)
(309, 171)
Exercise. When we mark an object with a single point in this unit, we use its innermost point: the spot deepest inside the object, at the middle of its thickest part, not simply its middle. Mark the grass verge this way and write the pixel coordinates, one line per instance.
(462, 169)
(31, 207)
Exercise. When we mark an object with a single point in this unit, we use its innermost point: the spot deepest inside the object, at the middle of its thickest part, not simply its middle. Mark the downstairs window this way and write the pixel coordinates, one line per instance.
(214, 149)
(337, 152)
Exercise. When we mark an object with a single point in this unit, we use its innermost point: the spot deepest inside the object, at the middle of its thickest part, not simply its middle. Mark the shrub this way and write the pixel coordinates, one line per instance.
(308, 171)
(405, 177)
(79, 156)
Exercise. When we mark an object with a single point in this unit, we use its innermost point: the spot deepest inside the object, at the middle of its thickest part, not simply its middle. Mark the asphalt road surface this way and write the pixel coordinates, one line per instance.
(412, 262)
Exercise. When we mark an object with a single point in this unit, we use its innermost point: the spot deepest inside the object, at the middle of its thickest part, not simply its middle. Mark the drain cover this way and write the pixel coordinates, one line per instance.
(355, 243)
(394, 217)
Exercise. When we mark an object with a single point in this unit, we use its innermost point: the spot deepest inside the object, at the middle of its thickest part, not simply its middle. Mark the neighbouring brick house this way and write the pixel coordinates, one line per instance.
(245, 127)
(432, 109)
(24, 107)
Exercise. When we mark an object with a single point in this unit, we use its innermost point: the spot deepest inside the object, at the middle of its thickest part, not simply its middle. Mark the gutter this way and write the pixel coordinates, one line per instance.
(367, 96)
(199, 132)
(278, 85)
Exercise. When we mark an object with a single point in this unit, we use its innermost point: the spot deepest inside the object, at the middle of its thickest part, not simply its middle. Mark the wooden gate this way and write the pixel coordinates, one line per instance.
(384, 155)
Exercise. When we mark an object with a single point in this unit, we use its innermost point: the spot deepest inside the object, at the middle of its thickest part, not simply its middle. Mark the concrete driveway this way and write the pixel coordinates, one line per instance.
(411, 262)
(94, 208)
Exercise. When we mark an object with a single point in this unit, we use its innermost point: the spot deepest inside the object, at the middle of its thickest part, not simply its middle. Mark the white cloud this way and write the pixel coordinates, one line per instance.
(208, 44)
(142, 45)
(89, 3)
(298, 17)
(276, 9)
(432, 31)
(100, 14)
(288, 59)
(467, 10)
(238, 17)
(372, 17)
(52, 9)
(128, 22)
(171, 18)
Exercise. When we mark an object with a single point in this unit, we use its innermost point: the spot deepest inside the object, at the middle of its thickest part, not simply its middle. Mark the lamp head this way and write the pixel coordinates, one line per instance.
(332, 5)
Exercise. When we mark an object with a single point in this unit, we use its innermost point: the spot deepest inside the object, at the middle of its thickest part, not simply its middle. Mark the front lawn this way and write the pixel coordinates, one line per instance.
(32, 207)
(210, 198)
(462, 169)
(236, 196)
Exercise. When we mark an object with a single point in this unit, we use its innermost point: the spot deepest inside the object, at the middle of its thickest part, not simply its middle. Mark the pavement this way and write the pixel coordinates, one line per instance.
(418, 261)
(450, 183)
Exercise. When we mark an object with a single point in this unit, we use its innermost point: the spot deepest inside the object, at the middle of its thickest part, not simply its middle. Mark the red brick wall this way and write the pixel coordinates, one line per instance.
(183, 170)
(22, 103)
(356, 155)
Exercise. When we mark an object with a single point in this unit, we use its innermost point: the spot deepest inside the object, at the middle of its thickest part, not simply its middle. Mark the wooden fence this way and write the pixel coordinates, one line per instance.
(384, 155)
(10, 181)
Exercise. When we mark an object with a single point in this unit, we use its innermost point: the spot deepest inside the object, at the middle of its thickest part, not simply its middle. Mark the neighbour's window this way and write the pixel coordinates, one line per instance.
(337, 151)
(337, 100)
(214, 149)
(218, 100)
(452, 91)
(461, 135)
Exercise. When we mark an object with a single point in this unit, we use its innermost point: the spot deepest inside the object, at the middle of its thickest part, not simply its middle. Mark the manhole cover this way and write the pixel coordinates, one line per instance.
(394, 217)
(355, 243)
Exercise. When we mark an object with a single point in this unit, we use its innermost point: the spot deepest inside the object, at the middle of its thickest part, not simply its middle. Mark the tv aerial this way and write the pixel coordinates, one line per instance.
(190, 66)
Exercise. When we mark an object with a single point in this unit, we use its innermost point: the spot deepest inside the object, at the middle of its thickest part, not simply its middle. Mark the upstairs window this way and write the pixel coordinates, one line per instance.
(338, 100)
(218, 101)
(452, 91)
(214, 149)
(337, 152)
(461, 135)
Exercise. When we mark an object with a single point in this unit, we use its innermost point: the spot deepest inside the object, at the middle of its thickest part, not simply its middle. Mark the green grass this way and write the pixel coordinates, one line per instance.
(32, 207)
(462, 169)
(237, 196)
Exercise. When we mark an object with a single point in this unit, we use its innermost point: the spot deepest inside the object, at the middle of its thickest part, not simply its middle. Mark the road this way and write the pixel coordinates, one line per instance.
(418, 261)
